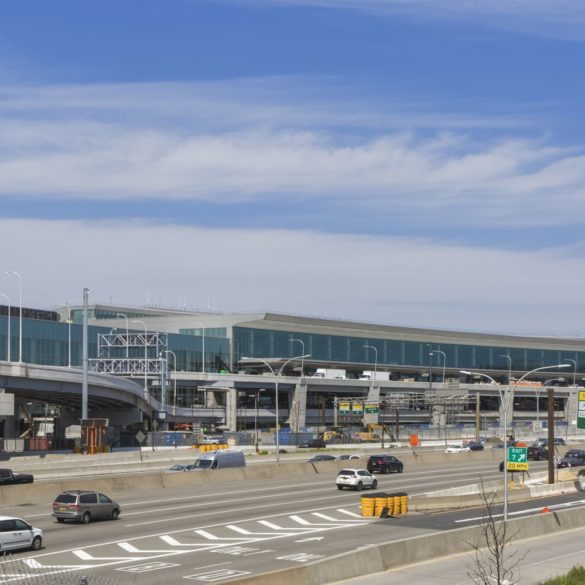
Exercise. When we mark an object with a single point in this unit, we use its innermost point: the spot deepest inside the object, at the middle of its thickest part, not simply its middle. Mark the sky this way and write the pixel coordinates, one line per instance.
(405, 162)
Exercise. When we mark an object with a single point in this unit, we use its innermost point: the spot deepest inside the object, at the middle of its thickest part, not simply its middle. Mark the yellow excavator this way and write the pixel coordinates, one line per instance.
(373, 428)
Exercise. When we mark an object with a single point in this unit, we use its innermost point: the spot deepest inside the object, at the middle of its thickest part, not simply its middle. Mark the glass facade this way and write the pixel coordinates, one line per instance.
(47, 343)
(265, 343)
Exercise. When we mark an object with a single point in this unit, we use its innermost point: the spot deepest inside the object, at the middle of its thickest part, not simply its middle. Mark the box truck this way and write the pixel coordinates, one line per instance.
(329, 374)
(371, 375)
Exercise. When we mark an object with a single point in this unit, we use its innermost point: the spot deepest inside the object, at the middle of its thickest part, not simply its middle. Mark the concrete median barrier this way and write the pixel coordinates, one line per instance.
(395, 554)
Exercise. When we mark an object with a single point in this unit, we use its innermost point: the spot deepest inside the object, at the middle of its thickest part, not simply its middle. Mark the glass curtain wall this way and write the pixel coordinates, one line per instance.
(263, 343)
(47, 343)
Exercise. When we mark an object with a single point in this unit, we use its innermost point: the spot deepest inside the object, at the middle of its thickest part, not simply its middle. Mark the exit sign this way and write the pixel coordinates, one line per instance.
(517, 459)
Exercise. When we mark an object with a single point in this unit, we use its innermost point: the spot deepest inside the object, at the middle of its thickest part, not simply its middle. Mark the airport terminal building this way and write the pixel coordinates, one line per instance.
(226, 371)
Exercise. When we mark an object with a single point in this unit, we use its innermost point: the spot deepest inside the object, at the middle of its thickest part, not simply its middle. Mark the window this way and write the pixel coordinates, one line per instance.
(104, 499)
(7, 525)
(66, 498)
(88, 499)
(21, 525)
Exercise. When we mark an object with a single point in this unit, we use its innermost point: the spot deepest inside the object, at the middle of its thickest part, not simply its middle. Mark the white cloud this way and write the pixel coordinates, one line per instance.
(548, 18)
(386, 280)
(103, 143)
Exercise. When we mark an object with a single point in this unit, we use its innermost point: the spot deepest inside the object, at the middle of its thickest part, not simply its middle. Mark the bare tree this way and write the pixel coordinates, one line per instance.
(494, 563)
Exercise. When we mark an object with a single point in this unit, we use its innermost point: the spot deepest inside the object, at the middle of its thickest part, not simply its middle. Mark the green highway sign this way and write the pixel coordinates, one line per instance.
(581, 410)
(517, 459)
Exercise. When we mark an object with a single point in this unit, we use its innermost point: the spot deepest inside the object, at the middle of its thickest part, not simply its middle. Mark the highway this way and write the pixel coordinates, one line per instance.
(219, 532)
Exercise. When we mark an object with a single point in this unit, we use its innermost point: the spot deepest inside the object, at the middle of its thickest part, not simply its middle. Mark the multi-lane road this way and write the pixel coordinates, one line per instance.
(214, 532)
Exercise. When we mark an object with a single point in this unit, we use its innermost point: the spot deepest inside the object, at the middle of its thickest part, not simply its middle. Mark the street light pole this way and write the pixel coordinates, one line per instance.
(505, 403)
(146, 396)
(302, 351)
(68, 334)
(202, 346)
(8, 336)
(256, 400)
(174, 391)
(277, 376)
(127, 338)
(504, 355)
(444, 361)
(574, 368)
(19, 313)
(375, 358)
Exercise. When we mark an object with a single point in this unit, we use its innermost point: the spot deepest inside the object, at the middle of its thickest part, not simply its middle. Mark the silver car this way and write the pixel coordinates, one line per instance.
(15, 533)
(84, 506)
(356, 479)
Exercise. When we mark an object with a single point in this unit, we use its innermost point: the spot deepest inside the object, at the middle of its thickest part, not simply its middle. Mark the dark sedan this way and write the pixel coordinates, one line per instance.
(317, 458)
(573, 458)
(313, 444)
(537, 453)
(475, 446)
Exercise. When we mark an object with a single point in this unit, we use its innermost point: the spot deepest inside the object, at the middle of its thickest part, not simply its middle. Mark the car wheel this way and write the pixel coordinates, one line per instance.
(60, 520)
(85, 519)
(400, 469)
(385, 470)
(339, 487)
(36, 543)
(115, 514)
(359, 486)
(374, 484)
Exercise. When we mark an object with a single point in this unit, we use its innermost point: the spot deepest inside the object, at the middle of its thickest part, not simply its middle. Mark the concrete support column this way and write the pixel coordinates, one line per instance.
(231, 411)
(298, 408)
(572, 405)
(373, 398)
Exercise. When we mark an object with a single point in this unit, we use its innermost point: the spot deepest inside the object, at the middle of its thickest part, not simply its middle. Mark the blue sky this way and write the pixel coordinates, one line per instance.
(415, 163)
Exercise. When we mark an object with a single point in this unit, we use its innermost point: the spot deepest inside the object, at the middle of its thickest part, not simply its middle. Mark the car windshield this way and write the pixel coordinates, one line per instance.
(203, 464)
(346, 472)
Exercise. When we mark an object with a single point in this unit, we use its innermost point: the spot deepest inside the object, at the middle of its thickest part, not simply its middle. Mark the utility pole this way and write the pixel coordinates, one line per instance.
(84, 383)
(551, 434)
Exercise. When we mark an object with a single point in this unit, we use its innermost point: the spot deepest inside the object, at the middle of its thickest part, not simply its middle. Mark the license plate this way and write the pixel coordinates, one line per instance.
(62, 508)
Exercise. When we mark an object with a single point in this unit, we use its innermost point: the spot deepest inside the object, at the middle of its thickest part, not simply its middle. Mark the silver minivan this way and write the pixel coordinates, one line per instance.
(84, 506)
(220, 460)
(15, 533)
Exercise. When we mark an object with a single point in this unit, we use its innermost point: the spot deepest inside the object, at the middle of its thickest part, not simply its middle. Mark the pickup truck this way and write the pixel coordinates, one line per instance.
(9, 478)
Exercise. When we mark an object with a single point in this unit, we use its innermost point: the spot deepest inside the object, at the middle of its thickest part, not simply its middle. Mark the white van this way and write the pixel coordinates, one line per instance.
(220, 459)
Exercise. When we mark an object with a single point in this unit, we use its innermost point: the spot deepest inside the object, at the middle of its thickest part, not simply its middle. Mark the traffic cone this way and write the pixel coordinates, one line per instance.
(545, 509)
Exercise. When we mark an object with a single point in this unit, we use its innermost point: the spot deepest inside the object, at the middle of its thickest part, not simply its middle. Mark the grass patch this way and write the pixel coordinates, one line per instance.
(576, 576)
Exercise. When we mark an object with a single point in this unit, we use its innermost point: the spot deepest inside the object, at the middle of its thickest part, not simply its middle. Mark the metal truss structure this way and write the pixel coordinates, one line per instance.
(113, 349)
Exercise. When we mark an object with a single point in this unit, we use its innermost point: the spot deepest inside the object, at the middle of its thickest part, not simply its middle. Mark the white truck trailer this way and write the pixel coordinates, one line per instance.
(371, 375)
(329, 374)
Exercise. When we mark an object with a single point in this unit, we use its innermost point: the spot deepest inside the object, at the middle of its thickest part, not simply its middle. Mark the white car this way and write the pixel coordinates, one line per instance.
(457, 449)
(356, 479)
(15, 533)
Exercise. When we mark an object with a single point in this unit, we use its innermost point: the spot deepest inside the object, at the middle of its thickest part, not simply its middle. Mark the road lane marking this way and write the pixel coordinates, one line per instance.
(325, 517)
(218, 575)
(167, 534)
(350, 513)
(146, 567)
(300, 557)
(277, 527)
